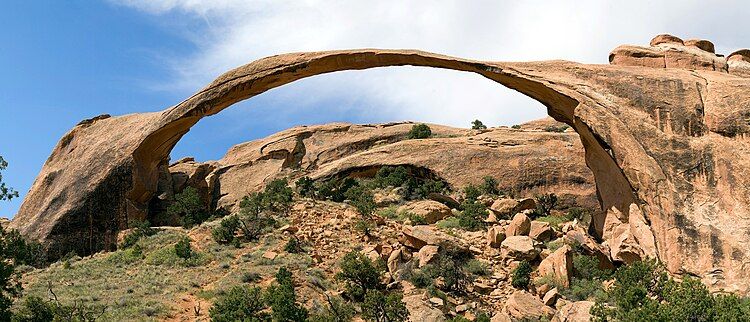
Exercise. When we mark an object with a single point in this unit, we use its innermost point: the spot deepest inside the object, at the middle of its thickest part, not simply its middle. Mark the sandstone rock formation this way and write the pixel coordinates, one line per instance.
(664, 128)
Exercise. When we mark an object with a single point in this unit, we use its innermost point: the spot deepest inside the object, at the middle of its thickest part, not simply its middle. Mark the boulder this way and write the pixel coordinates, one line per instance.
(519, 248)
(495, 236)
(522, 305)
(419, 236)
(702, 44)
(432, 211)
(665, 39)
(520, 225)
(574, 312)
(551, 297)
(421, 310)
(541, 231)
(505, 206)
(558, 265)
(426, 254)
(590, 247)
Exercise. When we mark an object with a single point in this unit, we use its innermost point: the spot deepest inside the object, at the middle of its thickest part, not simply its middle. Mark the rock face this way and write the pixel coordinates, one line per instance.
(431, 211)
(664, 128)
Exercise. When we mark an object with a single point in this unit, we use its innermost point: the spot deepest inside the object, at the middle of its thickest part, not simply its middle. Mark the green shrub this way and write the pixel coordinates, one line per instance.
(516, 126)
(34, 309)
(420, 131)
(420, 279)
(189, 207)
(545, 203)
(472, 216)
(362, 199)
(142, 229)
(381, 308)
(471, 193)
(277, 196)
(448, 223)
(450, 266)
(283, 300)
(390, 212)
(364, 226)
(478, 125)
(359, 275)
(294, 246)
(224, 233)
(489, 186)
(521, 276)
(414, 218)
(477, 268)
(336, 310)
(557, 129)
(335, 189)
(412, 187)
(254, 219)
(20, 250)
(643, 291)
(182, 248)
(240, 303)
(306, 187)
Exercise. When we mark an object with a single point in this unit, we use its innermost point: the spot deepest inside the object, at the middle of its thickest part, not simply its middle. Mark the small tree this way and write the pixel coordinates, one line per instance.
(359, 274)
(471, 193)
(253, 218)
(294, 246)
(306, 187)
(378, 307)
(283, 300)
(478, 125)
(472, 216)
(6, 193)
(420, 131)
(189, 207)
(278, 196)
(241, 303)
(362, 199)
(224, 233)
(545, 203)
(182, 248)
(521, 276)
(490, 186)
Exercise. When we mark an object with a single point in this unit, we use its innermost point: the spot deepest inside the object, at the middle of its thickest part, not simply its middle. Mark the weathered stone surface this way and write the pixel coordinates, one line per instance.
(495, 236)
(519, 247)
(426, 254)
(672, 140)
(522, 305)
(419, 236)
(520, 225)
(574, 312)
(541, 231)
(432, 211)
(558, 265)
(420, 310)
(551, 297)
(504, 206)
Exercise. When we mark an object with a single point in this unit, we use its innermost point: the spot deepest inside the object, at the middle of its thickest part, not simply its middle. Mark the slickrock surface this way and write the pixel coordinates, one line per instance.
(665, 128)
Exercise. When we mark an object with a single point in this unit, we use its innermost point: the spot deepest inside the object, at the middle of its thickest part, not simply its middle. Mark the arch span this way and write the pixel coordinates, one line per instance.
(655, 139)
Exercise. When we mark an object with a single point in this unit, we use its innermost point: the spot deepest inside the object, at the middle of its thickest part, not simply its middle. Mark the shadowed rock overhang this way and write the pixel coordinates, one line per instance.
(664, 128)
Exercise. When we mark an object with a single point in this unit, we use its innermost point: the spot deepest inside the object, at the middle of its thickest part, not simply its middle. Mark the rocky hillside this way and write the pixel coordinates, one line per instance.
(443, 260)
(537, 157)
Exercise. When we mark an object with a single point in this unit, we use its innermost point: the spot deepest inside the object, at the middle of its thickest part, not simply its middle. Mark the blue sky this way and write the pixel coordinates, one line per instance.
(64, 61)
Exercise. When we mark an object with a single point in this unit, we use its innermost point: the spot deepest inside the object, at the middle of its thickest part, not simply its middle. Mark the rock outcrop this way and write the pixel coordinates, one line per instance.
(664, 128)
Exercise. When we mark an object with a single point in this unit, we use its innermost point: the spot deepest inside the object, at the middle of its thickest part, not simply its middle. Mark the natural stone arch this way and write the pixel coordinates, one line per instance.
(658, 127)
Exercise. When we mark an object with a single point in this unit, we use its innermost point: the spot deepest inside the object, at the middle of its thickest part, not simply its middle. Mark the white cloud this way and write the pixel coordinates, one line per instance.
(228, 33)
